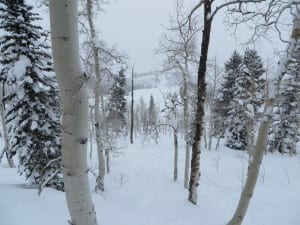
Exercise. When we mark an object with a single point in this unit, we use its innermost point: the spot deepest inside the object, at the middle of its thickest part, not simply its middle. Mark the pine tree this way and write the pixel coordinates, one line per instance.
(117, 103)
(284, 131)
(31, 100)
(152, 112)
(246, 101)
(253, 69)
(237, 117)
(233, 69)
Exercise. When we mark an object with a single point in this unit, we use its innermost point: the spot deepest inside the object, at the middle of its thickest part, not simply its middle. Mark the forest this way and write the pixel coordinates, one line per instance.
(149, 113)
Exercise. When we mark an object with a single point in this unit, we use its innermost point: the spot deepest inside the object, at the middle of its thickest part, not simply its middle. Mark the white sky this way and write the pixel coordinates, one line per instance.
(135, 27)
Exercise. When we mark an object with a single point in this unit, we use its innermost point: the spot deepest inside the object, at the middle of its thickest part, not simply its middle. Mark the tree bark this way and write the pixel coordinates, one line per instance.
(101, 161)
(65, 45)
(201, 90)
(261, 142)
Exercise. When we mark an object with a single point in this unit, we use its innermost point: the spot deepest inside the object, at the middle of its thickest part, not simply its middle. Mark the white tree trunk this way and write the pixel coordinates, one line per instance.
(101, 161)
(261, 142)
(65, 44)
(252, 172)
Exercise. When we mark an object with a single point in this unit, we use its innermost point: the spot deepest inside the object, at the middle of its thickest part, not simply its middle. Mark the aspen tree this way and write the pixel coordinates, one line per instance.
(65, 44)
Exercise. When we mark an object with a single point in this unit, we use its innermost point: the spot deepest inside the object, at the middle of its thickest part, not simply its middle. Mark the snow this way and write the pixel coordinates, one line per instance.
(19, 68)
(250, 108)
(140, 190)
(34, 125)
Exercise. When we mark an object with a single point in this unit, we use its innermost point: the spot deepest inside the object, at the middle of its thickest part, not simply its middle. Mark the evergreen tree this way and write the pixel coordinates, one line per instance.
(152, 112)
(31, 100)
(253, 67)
(238, 116)
(245, 103)
(233, 69)
(117, 103)
(284, 132)
(239, 99)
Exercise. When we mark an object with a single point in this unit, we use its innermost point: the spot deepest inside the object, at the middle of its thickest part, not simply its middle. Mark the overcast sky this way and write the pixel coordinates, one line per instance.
(135, 26)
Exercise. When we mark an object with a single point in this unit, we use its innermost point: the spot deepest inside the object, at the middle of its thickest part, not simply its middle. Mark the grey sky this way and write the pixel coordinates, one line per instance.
(135, 26)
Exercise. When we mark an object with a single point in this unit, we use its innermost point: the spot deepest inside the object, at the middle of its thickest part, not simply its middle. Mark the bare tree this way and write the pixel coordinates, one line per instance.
(171, 114)
(178, 45)
(65, 44)
(97, 58)
(101, 161)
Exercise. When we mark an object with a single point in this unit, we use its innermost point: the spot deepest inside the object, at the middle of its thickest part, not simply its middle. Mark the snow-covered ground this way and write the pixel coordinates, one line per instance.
(140, 190)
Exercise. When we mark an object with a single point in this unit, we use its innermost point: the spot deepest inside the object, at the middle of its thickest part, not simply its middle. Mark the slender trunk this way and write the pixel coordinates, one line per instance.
(261, 142)
(211, 119)
(175, 139)
(218, 143)
(204, 135)
(253, 171)
(6, 148)
(210, 134)
(186, 127)
(250, 137)
(195, 162)
(187, 165)
(210, 130)
(251, 122)
(102, 105)
(132, 101)
(91, 133)
(65, 45)
(107, 160)
(101, 161)
(175, 153)
(156, 135)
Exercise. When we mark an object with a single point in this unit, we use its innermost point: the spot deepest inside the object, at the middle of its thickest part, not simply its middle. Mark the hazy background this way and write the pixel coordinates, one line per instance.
(135, 27)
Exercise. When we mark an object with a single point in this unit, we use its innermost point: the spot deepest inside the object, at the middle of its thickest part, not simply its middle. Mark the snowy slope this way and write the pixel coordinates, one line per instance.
(140, 191)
